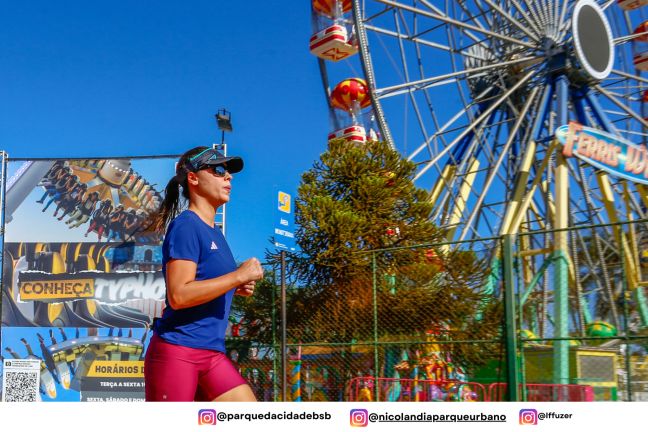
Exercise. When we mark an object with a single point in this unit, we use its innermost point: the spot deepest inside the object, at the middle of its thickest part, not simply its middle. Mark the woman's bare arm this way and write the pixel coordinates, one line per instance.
(184, 291)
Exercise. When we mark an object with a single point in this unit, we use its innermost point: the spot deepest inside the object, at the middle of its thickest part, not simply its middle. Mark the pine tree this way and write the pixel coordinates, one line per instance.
(361, 198)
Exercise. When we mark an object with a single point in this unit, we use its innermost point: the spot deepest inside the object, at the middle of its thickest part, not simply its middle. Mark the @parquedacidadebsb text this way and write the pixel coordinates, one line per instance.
(222, 416)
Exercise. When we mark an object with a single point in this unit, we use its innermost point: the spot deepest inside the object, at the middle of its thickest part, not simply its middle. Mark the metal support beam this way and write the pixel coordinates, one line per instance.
(443, 182)
(462, 199)
(561, 250)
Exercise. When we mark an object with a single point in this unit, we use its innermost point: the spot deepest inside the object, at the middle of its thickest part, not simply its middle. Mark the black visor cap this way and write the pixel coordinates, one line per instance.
(211, 157)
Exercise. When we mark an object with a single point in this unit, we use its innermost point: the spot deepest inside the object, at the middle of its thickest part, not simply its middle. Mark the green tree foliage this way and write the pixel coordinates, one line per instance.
(361, 198)
(358, 198)
(255, 313)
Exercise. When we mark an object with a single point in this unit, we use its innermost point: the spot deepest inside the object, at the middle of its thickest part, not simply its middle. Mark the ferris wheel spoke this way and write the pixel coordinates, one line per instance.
(377, 14)
(512, 20)
(621, 105)
(540, 16)
(621, 116)
(461, 90)
(405, 75)
(539, 11)
(426, 93)
(459, 169)
(487, 137)
(547, 8)
(417, 40)
(527, 18)
(521, 117)
(626, 96)
(607, 4)
(557, 16)
(388, 54)
(596, 111)
(533, 189)
(465, 52)
(456, 23)
(631, 132)
(561, 18)
(423, 83)
(417, 112)
(384, 10)
(629, 76)
(472, 17)
(415, 33)
(623, 39)
(563, 21)
(441, 13)
(596, 239)
(564, 24)
(486, 13)
(535, 18)
(481, 118)
(613, 86)
(444, 129)
(433, 115)
(552, 18)
(413, 39)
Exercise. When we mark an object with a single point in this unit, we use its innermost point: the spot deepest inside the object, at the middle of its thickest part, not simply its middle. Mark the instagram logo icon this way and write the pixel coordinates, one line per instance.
(359, 417)
(528, 417)
(206, 417)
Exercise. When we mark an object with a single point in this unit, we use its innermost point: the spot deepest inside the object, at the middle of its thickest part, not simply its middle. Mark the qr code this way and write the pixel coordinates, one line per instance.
(21, 386)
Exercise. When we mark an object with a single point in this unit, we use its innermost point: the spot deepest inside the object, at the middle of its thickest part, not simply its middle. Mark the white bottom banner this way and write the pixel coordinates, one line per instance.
(320, 416)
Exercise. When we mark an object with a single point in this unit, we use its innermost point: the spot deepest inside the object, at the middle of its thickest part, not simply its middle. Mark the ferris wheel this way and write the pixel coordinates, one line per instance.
(520, 116)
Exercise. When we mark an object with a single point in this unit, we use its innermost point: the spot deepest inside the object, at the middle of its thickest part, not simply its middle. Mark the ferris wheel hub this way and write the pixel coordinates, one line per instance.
(551, 47)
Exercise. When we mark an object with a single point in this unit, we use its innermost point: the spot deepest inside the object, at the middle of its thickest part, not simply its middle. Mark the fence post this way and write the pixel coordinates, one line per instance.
(284, 350)
(519, 245)
(625, 295)
(275, 374)
(513, 368)
(375, 324)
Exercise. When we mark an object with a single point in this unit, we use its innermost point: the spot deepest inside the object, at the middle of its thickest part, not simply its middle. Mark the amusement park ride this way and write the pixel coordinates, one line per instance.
(521, 117)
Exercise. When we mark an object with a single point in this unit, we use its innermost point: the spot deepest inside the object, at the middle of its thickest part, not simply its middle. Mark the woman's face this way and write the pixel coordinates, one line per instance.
(214, 188)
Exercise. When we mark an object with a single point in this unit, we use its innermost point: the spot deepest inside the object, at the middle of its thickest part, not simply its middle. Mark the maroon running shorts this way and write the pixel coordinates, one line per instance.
(177, 373)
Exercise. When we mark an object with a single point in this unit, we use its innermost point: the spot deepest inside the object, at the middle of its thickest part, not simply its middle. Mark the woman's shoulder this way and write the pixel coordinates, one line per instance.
(183, 222)
(184, 216)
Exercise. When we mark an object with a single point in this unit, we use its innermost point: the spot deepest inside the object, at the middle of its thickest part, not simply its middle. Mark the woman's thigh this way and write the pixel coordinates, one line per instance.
(242, 393)
(170, 372)
(220, 378)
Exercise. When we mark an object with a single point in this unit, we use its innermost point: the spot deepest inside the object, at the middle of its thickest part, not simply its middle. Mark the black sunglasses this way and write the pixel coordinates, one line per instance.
(218, 170)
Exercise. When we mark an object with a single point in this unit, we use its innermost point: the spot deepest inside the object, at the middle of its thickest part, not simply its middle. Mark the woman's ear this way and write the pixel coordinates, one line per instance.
(192, 178)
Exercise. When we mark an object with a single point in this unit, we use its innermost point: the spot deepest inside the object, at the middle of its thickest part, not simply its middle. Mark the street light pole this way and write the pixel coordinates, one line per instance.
(224, 121)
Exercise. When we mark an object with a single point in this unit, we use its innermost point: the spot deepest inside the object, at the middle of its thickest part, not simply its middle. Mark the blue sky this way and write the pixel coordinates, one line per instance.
(82, 79)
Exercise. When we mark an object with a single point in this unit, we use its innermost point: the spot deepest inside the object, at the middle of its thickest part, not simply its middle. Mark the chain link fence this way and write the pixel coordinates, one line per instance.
(583, 310)
(490, 320)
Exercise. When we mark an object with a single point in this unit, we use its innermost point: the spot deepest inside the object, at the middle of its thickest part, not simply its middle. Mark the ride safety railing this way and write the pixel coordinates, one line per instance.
(369, 389)
(544, 392)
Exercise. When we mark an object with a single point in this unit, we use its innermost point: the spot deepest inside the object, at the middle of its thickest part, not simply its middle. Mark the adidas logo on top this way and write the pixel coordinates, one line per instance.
(213, 245)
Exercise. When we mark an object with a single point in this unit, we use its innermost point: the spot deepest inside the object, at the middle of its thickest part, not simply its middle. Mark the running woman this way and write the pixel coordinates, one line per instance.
(186, 360)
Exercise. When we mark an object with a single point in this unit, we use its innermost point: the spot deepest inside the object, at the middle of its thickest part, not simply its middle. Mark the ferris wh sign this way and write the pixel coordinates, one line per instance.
(610, 153)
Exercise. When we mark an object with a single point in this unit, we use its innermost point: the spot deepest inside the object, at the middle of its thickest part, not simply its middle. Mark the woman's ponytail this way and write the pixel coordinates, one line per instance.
(171, 204)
